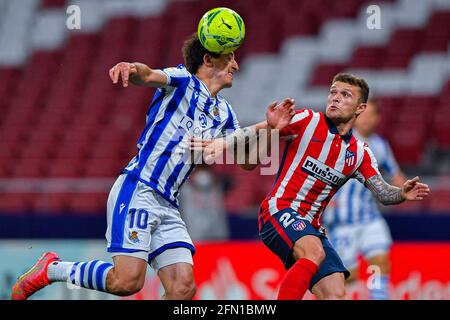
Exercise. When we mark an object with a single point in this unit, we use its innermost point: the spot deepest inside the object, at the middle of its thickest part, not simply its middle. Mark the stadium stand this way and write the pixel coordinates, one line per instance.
(62, 119)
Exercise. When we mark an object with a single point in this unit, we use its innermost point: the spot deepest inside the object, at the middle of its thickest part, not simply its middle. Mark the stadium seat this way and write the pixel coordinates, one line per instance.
(65, 168)
(51, 203)
(20, 203)
(89, 203)
(323, 74)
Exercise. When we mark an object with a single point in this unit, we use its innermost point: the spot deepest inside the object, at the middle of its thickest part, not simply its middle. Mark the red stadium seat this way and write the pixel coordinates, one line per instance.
(366, 57)
(438, 200)
(29, 168)
(89, 203)
(65, 168)
(324, 73)
(51, 203)
(408, 143)
(16, 202)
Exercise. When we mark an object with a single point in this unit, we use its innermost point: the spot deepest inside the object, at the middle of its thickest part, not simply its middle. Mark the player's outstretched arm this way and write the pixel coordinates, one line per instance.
(278, 116)
(138, 74)
(387, 194)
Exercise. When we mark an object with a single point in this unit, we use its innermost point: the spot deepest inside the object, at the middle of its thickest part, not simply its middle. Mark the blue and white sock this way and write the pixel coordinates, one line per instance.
(381, 293)
(90, 274)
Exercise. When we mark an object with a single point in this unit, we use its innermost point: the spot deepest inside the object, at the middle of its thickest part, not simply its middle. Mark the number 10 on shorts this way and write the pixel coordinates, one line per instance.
(138, 219)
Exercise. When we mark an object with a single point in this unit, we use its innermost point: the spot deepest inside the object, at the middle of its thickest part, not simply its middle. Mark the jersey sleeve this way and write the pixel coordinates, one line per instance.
(368, 167)
(297, 123)
(232, 123)
(176, 76)
(389, 164)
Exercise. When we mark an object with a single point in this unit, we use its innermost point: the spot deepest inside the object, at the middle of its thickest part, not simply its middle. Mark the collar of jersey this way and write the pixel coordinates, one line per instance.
(206, 88)
(346, 137)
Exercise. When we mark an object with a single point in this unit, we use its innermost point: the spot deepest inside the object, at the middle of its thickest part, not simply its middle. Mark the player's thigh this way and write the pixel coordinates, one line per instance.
(170, 242)
(376, 239)
(344, 239)
(133, 215)
(309, 247)
(331, 287)
(332, 264)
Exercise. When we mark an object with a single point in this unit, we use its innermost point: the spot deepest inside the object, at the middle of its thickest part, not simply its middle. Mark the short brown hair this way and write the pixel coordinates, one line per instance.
(354, 81)
(193, 53)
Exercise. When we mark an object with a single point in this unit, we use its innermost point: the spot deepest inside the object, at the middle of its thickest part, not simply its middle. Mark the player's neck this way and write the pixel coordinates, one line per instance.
(213, 87)
(343, 128)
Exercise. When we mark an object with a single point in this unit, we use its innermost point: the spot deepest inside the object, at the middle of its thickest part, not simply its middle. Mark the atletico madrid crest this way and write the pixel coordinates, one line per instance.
(349, 158)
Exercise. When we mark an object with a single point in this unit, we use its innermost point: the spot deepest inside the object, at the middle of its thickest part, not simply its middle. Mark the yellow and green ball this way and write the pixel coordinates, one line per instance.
(221, 30)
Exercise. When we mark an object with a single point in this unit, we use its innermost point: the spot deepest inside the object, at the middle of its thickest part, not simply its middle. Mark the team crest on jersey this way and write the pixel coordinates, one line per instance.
(133, 235)
(299, 225)
(349, 158)
(216, 112)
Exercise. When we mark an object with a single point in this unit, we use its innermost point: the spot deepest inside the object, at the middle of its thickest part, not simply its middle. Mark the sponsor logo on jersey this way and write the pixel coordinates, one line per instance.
(349, 158)
(203, 120)
(323, 172)
(299, 225)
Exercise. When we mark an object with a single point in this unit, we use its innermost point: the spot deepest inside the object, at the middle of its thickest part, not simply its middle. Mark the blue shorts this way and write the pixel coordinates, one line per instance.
(287, 226)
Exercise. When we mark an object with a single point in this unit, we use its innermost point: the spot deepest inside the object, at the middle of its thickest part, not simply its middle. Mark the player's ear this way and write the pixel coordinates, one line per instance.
(360, 108)
(208, 60)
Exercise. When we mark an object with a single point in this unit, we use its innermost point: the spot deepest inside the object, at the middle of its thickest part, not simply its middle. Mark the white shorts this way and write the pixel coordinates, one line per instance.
(142, 224)
(366, 239)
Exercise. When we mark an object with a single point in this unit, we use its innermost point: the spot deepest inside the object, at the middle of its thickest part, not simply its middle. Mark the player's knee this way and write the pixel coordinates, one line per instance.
(336, 294)
(309, 247)
(332, 293)
(312, 252)
(317, 255)
(183, 290)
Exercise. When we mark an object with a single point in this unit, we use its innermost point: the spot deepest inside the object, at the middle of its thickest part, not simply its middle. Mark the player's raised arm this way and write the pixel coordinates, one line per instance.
(138, 74)
(387, 194)
(278, 116)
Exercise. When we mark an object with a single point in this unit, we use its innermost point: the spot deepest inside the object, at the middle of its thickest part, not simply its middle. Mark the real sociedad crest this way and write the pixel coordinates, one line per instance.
(349, 158)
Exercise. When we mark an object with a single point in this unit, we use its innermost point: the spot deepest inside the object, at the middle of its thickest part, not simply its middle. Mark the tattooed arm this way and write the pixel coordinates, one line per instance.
(387, 194)
(384, 192)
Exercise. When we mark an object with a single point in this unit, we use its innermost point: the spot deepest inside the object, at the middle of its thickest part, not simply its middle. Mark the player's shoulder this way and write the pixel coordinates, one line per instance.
(302, 113)
(179, 70)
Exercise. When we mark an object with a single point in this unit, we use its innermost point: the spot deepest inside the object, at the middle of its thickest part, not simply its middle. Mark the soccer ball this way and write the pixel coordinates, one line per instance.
(221, 30)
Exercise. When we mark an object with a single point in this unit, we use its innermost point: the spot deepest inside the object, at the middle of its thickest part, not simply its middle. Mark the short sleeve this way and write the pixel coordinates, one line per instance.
(176, 76)
(368, 167)
(297, 122)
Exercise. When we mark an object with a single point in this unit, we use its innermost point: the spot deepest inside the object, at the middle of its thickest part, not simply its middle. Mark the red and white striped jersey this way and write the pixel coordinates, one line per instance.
(316, 163)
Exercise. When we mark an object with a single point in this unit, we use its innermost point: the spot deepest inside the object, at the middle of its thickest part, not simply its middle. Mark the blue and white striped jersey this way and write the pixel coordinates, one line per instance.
(181, 109)
(354, 203)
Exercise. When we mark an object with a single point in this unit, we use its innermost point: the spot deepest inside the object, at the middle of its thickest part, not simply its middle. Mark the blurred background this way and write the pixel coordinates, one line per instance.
(66, 131)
